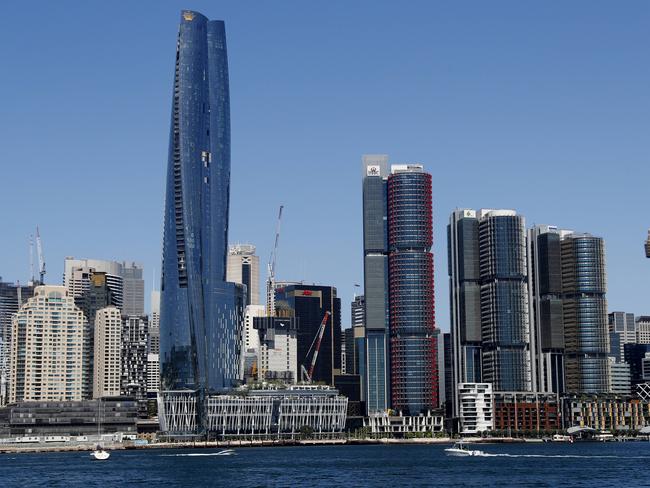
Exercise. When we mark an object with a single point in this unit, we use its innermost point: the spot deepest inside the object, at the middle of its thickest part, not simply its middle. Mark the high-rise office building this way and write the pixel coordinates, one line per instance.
(107, 371)
(244, 268)
(77, 274)
(643, 329)
(465, 301)
(96, 295)
(46, 348)
(622, 330)
(135, 331)
(308, 304)
(585, 314)
(505, 322)
(448, 369)
(546, 317)
(12, 297)
(358, 323)
(154, 324)
(490, 328)
(634, 355)
(358, 309)
(251, 343)
(133, 289)
(375, 278)
(619, 377)
(413, 363)
(350, 354)
(201, 314)
(647, 245)
(277, 354)
(153, 346)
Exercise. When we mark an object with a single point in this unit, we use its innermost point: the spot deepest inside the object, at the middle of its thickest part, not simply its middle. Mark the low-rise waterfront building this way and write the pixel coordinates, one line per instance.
(606, 412)
(385, 424)
(516, 411)
(86, 417)
(267, 412)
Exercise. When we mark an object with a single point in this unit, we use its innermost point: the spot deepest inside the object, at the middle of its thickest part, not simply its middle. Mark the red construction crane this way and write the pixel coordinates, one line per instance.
(317, 339)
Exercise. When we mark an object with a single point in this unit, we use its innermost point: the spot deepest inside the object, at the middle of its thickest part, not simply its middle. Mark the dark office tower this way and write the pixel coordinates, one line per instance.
(413, 364)
(200, 312)
(634, 355)
(545, 295)
(647, 246)
(350, 351)
(375, 279)
(504, 300)
(465, 301)
(135, 332)
(97, 294)
(309, 304)
(12, 297)
(449, 372)
(133, 295)
(585, 314)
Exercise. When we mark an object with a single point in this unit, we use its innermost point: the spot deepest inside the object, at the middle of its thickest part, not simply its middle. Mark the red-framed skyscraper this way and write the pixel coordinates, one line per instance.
(412, 343)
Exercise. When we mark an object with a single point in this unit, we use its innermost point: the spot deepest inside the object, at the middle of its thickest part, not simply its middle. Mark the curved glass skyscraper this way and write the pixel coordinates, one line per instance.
(200, 313)
(413, 365)
(586, 332)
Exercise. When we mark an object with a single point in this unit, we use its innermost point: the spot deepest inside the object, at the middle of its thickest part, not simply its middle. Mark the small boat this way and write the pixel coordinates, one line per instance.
(561, 438)
(99, 454)
(461, 449)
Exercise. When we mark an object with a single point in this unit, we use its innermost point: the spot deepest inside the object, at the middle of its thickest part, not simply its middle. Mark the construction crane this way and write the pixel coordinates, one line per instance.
(41, 259)
(270, 282)
(307, 375)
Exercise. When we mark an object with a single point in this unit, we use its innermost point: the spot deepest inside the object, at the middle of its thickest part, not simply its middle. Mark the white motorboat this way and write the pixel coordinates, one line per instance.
(99, 454)
(461, 449)
(561, 438)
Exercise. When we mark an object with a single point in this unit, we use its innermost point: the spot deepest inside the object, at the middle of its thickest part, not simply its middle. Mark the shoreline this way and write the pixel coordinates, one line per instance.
(87, 447)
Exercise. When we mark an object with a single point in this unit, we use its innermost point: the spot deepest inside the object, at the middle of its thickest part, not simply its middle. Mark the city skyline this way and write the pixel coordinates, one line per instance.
(551, 132)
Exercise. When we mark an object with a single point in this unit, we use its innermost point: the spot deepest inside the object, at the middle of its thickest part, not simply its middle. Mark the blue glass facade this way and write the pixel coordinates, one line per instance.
(200, 312)
(504, 301)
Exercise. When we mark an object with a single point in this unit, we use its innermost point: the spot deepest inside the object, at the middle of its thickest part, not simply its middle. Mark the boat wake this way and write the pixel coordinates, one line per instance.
(202, 454)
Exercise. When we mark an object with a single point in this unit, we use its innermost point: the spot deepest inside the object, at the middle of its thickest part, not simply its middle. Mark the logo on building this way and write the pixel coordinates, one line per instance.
(189, 16)
(373, 170)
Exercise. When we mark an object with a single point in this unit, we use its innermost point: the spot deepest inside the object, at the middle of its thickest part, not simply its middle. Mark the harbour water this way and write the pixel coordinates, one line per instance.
(390, 466)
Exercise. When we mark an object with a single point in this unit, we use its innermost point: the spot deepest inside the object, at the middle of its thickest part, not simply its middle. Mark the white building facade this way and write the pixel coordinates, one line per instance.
(476, 404)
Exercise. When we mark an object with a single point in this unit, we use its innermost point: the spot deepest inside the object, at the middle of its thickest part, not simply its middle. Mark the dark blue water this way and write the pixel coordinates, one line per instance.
(584, 464)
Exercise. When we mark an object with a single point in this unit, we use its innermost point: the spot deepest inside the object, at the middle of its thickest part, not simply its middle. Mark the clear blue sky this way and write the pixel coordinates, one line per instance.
(543, 107)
